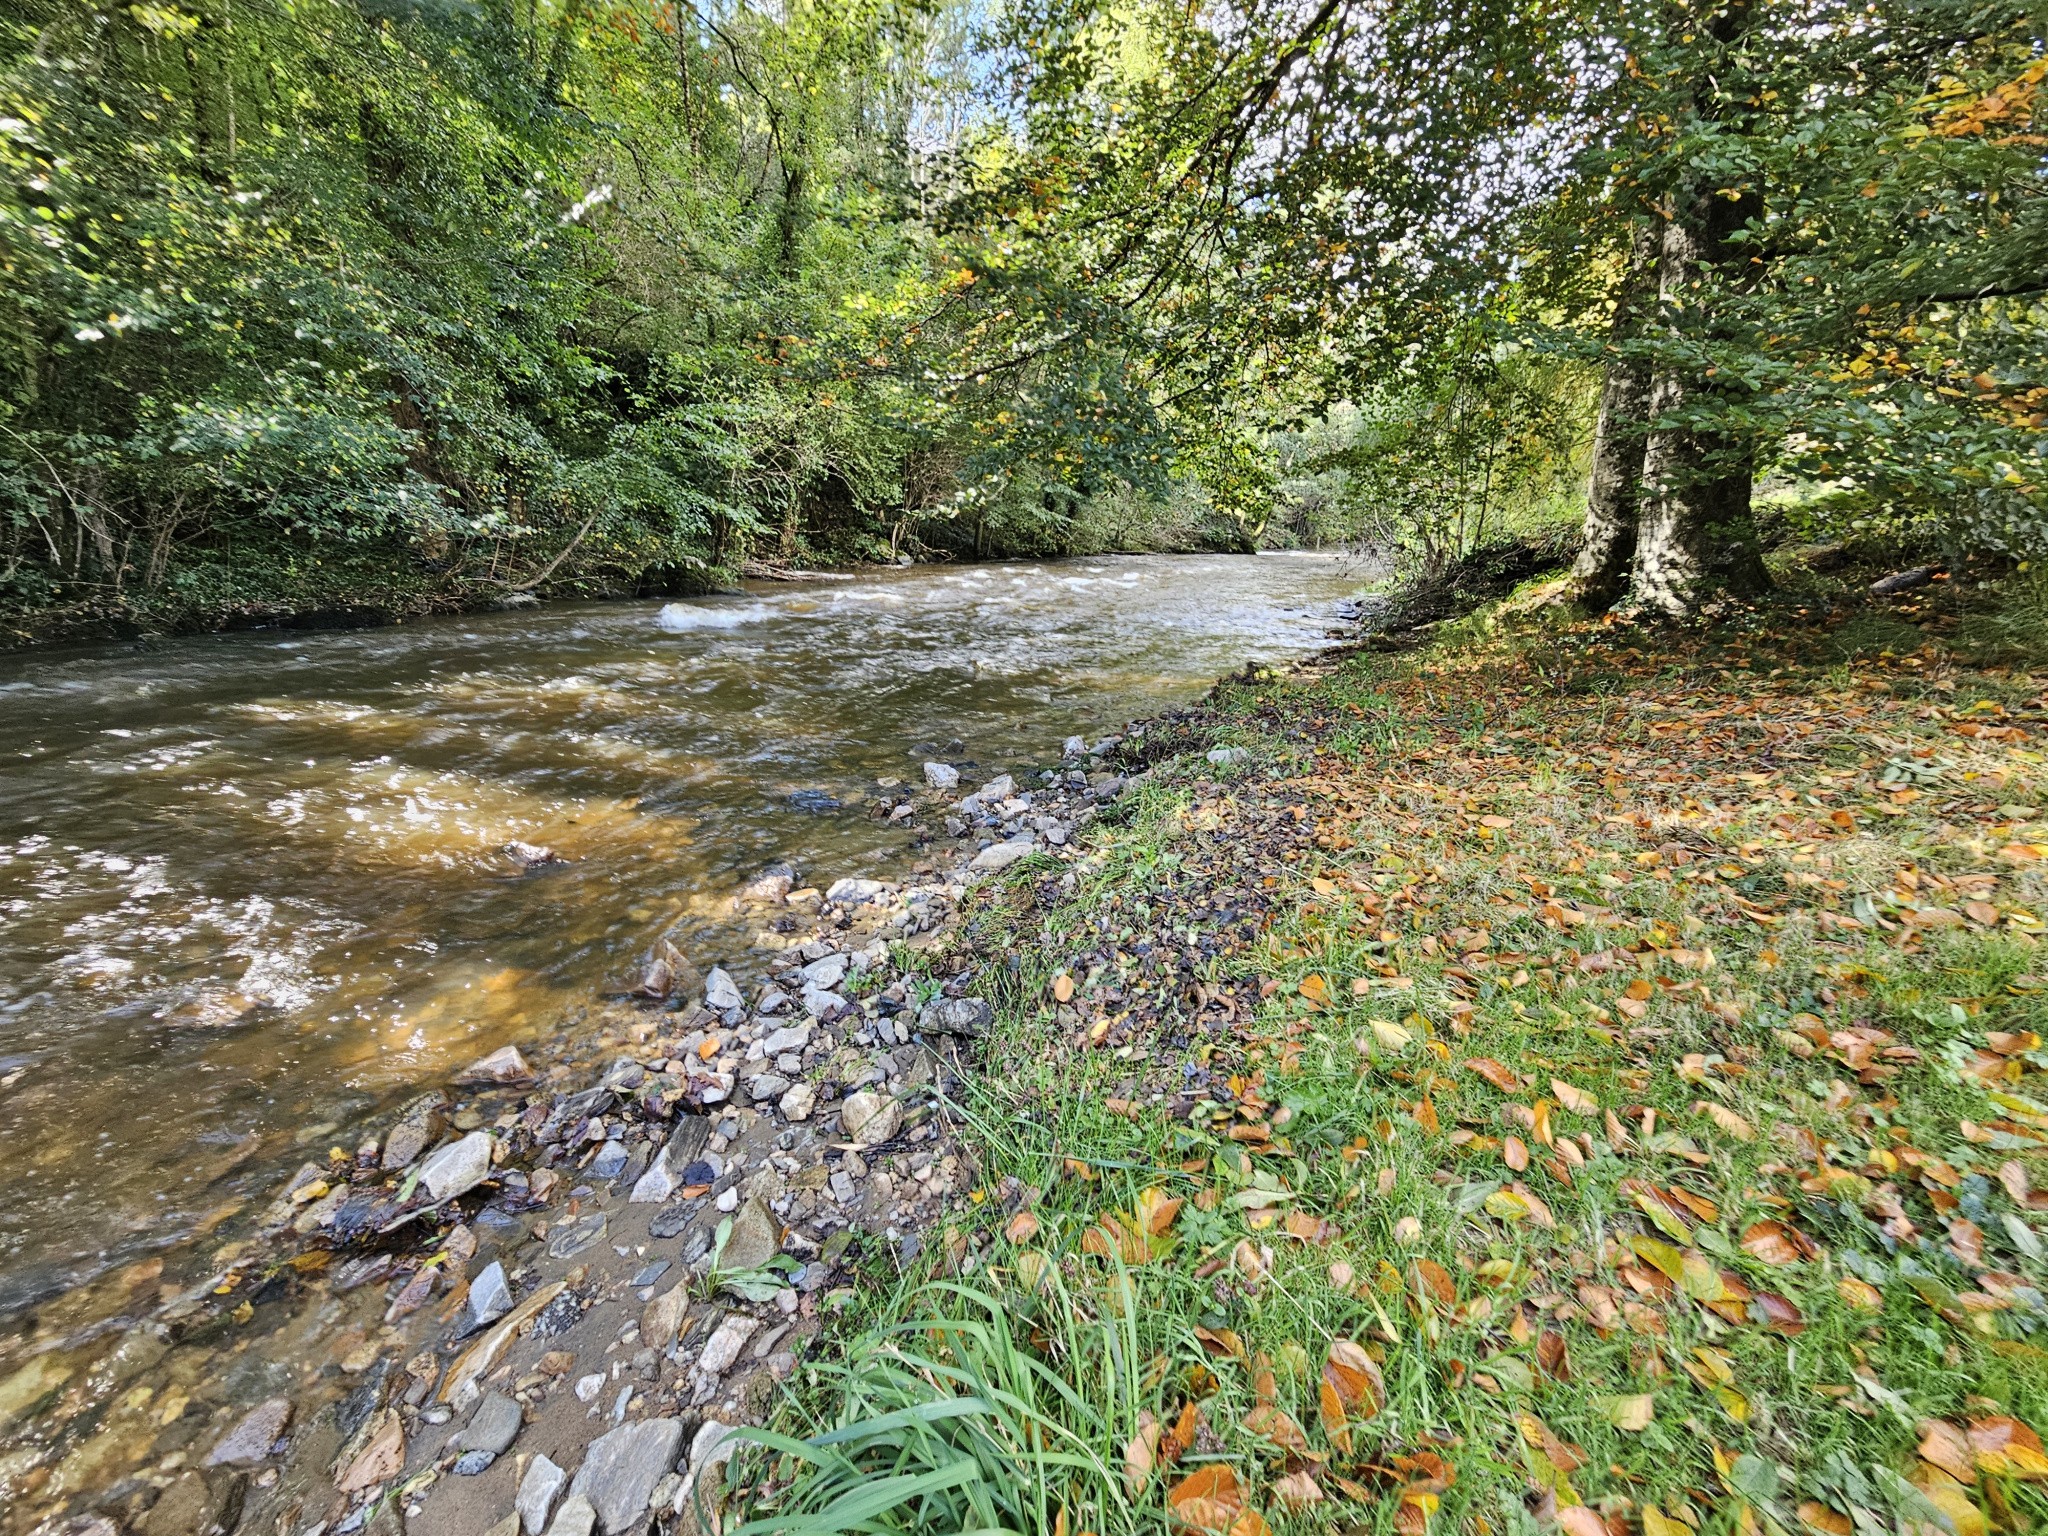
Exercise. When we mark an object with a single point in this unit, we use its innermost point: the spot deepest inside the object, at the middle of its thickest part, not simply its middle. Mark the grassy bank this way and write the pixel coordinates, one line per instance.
(1560, 1078)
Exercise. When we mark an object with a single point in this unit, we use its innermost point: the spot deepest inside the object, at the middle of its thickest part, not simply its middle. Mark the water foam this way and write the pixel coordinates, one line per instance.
(681, 618)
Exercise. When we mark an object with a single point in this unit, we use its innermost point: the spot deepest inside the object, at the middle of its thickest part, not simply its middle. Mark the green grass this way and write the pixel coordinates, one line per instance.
(1752, 938)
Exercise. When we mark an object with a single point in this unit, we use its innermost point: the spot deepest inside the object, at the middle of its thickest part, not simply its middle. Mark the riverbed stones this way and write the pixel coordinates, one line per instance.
(538, 1490)
(381, 1458)
(490, 1296)
(853, 892)
(610, 1161)
(726, 1344)
(195, 1506)
(1000, 856)
(870, 1119)
(576, 1517)
(459, 1167)
(490, 1431)
(721, 992)
(656, 1184)
(756, 1237)
(661, 1321)
(793, 1038)
(503, 1066)
(942, 776)
(419, 1125)
(799, 1103)
(969, 1016)
(621, 1468)
(254, 1436)
(827, 972)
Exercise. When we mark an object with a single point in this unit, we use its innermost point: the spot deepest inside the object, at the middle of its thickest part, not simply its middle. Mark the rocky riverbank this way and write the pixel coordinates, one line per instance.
(540, 1299)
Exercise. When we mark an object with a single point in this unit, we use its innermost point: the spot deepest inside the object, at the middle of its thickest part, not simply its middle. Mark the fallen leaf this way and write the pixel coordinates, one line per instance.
(1021, 1228)
(1271, 1423)
(1063, 988)
(1775, 1243)
(1351, 1390)
(1817, 1517)
(1578, 1520)
(1633, 1413)
(1515, 1153)
(1141, 1454)
(1945, 1446)
(1496, 1074)
(2007, 1448)
(1207, 1499)
(1577, 1100)
(1156, 1210)
(1297, 1490)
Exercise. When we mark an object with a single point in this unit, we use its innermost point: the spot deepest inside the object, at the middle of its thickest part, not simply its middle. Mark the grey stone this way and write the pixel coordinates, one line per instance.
(941, 776)
(538, 1491)
(799, 1102)
(725, 1345)
(653, 1272)
(661, 1321)
(763, 1086)
(575, 1235)
(826, 974)
(756, 1237)
(504, 1065)
(871, 1119)
(610, 1159)
(656, 1184)
(1001, 787)
(1000, 856)
(624, 1075)
(842, 1187)
(852, 892)
(490, 1297)
(621, 1468)
(474, 1463)
(418, 1127)
(494, 1426)
(250, 1441)
(576, 1517)
(956, 1016)
(193, 1506)
(458, 1167)
(721, 991)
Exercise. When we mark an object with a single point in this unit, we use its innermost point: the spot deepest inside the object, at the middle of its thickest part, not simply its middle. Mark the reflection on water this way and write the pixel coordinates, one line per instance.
(252, 885)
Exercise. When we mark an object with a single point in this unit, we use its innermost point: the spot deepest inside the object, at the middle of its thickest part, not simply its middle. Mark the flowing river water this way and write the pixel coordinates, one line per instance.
(255, 886)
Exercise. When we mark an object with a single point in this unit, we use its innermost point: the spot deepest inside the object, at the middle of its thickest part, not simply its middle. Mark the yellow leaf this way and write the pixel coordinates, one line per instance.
(1577, 1100)
(1632, 1413)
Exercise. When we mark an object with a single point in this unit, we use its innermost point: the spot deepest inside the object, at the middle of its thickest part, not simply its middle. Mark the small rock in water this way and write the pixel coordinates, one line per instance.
(970, 1016)
(941, 776)
(530, 855)
(538, 1491)
(721, 991)
(815, 802)
(459, 1167)
(418, 1127)
(504, 1065)
(623, 1465)
(490, 1298)
(252, 1438)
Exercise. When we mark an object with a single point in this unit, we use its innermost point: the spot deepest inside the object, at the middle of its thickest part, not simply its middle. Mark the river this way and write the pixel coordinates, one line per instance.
(255, 886)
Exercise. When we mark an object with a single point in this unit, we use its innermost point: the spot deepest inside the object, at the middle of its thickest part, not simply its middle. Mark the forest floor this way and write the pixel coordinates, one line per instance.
(1564, 1077)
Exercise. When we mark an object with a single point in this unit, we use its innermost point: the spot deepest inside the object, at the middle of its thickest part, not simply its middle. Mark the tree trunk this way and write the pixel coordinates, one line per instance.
(1608, 546)
(1695, 534)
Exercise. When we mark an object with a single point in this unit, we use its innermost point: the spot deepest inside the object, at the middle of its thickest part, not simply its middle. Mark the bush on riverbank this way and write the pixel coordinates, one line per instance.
(1564, 1078)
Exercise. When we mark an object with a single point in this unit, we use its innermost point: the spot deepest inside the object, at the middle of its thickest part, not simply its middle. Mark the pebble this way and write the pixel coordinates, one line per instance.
(504, 1065)
(726, 1344)
(587, 1387)
(799, 1102)
(610, 1159)
(828, 973)
(490, 1297)
(576, 1517)
(459, 1167)
(661, 1321)
(1000, 856)
(418, 1127)
(253, 1436)
(575, 1235)
(871, 1119)
(721, 991)
(494, 1426)
(941, 776)
(621, 1468)
(970, 1016)
(538, 1490)
(656, 1184)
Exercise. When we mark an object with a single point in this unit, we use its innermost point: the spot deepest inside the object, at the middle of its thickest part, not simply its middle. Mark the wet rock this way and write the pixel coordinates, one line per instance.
(576, 1517)
(669, 972)
(381, 1458)
(870, 1119)
(942, 776)
(721, 992)
(254, 1436)
(419, 1125)
(538, 1491)
(726, 1344)
(769, 888)
(799, 1103)
(494, 1426)
(621, 1468)
(970, 1016)
(504, 1065)
(459, 1167)
(1000, 856)
(490, 1296)
(530, 855)
(22, 1390)
(193, 1506)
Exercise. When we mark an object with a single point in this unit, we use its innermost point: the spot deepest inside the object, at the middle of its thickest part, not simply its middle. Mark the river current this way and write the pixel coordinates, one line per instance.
(255, 886)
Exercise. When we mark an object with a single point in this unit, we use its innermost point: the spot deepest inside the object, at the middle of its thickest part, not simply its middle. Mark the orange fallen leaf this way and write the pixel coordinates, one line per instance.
(1272, 1423)
(1573, 1098)
(1207, 1499)
(1944, 1446)
(1142, 1453)
(1063, 988)
(1351, 1390)
(1515, 1153)
(1776, 1243)
(2007, 1448)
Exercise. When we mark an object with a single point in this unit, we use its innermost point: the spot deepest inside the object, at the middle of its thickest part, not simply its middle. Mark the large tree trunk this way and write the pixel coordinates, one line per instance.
(1695, 534)
(1608, 544)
